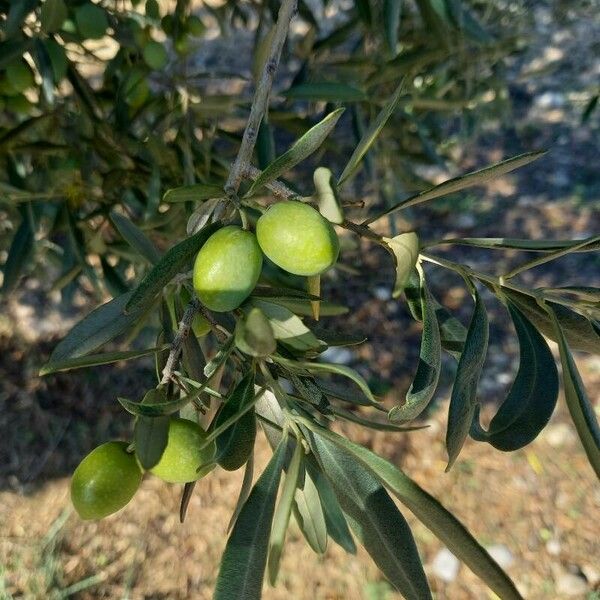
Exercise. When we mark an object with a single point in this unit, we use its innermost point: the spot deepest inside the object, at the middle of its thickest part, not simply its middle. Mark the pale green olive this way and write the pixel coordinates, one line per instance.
(227, 268)
(297, 238)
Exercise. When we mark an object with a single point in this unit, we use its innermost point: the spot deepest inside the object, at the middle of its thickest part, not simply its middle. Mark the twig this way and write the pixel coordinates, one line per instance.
(260, 100)
(277, 187)
(176, 346)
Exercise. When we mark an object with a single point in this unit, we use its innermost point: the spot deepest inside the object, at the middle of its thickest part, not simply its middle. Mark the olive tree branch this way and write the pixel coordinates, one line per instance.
(238, 169)
(276, 186)
(177, 344)
(260, 100)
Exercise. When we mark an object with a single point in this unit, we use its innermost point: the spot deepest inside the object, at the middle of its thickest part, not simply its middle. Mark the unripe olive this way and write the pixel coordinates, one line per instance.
(297, 238)
(227, 268)
(105, 481)
(182, 457)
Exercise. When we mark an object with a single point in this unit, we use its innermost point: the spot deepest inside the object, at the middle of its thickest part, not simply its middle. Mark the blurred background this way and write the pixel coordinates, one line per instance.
(536, 510)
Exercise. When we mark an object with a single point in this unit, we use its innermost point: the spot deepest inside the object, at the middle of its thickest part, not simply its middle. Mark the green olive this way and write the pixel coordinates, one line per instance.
(227, 268)
(105, 481)
(297, 238)
(182, 457)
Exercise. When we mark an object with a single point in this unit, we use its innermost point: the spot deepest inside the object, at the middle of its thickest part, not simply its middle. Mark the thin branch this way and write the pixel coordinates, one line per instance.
(261, 99)
(276, 186)
(177, 345)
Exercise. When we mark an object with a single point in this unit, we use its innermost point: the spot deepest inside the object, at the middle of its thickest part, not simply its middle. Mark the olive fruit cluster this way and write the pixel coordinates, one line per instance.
(291, 234)
(109, 476)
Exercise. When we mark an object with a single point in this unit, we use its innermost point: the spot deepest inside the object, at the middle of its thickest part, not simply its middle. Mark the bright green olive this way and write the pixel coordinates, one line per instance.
(297, 238)
(182, 457)
(227, 268)
(105, 481)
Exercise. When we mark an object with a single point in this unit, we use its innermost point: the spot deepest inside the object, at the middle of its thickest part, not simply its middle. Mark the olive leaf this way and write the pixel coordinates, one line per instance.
(52, 15)
(325, 91)
(532, 397)
(245, 490)
(317, 367)
(392, 10)
(309, 515)
(456, 184)
(463, 401)
(171, 263)
(578, 403)
(151, 434)
(245, 556)
(427, 375)
(100, 326)
(371, 134)
(591, 243)
(337, 526)
(427, 509)
(235, 444)
(287, 327)
(196, 192)
(578, 331)
(374, 518)
(283, 512)
(301, 149)
(19, 253)
(254, 334)
(93, 360)
(135, 237)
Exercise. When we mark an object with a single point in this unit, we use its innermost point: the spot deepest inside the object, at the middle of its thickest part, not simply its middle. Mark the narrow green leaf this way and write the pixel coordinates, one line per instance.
(135, 237)
(254, 334)
(100, 326)
(532, 397)
(404, 249)
(18, 257)
(10, 49)
(392, 10)
(519, 244)
(287, 327)
(53, 15)
(197, 192)
(245, 489)
(150, 436)
(301, 149)
(463, 182)
(236, 443)
(335, 369)
(16, 15)
(577, 329)
(93, 360)
(427, 376)
(374, 518)
(308, 513)
(244, 560)
(172, 262)
(578, 403)
(375, 128)
(429, 511)
(463, 401)
(283, 512)
(301, 306)
(325, 91)
(337, 526)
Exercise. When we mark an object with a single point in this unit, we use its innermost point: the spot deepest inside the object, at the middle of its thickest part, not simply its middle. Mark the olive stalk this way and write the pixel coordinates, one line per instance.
(260, 100)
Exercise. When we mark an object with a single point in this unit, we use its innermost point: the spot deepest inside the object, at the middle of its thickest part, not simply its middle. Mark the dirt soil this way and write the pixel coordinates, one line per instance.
(537, 509)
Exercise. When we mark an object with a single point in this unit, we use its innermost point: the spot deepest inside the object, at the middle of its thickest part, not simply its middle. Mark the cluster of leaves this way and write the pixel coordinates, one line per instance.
(261, 364)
